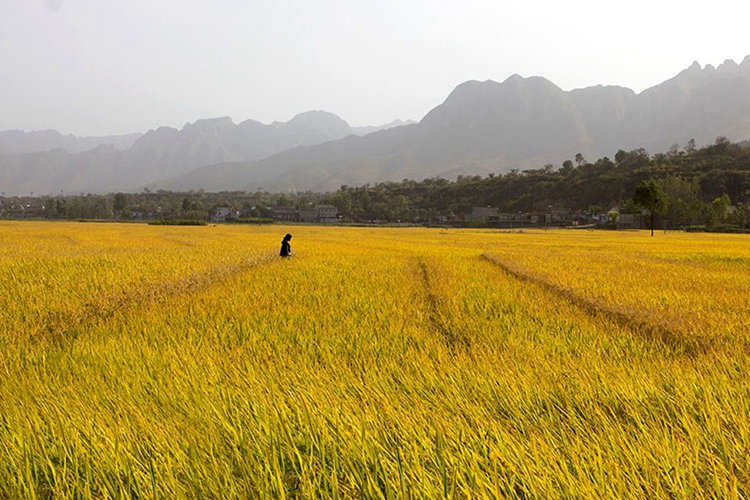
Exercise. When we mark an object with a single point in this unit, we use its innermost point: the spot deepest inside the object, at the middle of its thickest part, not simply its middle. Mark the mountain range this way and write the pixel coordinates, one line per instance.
(481, 127)
(48, 162)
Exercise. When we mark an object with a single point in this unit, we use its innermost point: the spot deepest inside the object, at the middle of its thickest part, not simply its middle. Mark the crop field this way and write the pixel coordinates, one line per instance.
(192, 362)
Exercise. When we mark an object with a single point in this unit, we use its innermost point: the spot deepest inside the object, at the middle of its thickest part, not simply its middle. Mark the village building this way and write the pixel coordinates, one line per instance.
(224, 214)
(325, 214)
(513, 219)
(281, 214)
(483, 213)
(308, 215)
(328, 214)
(629, 221)
(559, 216)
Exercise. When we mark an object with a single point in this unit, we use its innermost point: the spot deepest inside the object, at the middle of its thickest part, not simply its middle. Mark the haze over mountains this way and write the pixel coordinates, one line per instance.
(47, 162)
(481, 127)
(16, 142)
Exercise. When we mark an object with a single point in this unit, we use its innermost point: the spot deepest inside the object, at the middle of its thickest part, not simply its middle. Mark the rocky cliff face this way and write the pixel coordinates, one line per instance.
(47, 162)
(524, 123)
(481, 127)
(518, 119)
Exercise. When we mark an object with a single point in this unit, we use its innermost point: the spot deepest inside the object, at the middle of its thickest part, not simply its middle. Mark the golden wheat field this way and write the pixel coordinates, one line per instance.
(191, 362)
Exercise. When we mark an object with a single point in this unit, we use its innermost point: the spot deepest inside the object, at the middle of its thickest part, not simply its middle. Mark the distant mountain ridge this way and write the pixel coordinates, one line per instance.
(15, 142)
(485, 127)
(370, 129)
(155, 155)
(481, 127)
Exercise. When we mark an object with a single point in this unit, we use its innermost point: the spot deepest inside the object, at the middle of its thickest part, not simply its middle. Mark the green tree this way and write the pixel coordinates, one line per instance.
(120, 203)
(613, 216)
(284, 201)
(567, 167)
(343, 202)
(48, 207)
(637, 158)
(739, 216)
(651, 197)
(718, 212)
(684, 201)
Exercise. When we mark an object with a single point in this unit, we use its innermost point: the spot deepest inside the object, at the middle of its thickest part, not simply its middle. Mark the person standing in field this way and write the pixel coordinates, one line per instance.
(286, 248)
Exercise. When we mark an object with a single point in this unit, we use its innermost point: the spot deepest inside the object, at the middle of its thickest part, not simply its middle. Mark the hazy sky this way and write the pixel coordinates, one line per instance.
(96, 67)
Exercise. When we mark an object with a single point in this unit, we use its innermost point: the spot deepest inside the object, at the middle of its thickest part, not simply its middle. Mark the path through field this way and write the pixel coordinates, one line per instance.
(182, 362)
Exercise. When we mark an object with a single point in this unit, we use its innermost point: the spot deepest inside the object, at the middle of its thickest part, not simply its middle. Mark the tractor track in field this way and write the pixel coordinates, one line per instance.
(455, 341)
(692, 346)
(62, 326)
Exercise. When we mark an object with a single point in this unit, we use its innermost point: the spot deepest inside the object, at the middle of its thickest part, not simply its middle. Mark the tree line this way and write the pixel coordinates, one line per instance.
(707, 185)
(700, 185)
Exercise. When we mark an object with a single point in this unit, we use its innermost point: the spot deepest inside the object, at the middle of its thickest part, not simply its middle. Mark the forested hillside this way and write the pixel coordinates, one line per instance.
(693, 179)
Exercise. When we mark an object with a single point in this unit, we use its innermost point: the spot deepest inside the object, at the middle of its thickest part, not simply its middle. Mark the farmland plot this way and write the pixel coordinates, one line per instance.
(182, 362)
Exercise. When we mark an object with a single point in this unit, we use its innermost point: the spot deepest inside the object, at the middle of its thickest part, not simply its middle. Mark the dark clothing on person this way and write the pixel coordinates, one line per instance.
(286, 248)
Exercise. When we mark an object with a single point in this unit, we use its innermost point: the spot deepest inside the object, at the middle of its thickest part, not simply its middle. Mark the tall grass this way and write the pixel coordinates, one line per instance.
(186, 362)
